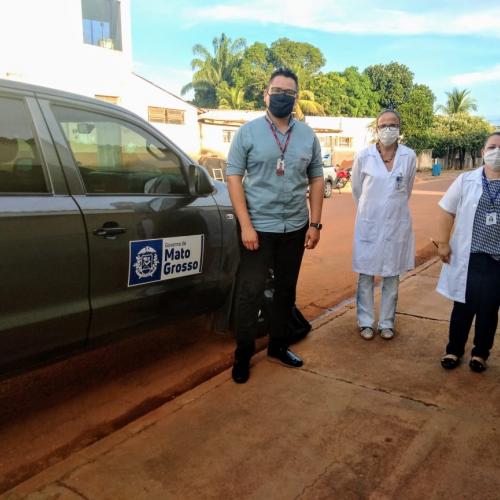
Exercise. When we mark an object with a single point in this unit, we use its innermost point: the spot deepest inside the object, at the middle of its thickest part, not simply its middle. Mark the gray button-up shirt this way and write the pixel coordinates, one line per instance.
(276, 204)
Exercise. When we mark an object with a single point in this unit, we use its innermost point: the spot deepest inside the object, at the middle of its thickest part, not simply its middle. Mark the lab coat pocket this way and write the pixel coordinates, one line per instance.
(367, 230)
(401, 231)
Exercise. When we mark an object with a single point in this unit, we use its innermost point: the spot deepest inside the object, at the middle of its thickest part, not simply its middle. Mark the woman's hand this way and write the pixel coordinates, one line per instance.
(444, 252)
(250, 238)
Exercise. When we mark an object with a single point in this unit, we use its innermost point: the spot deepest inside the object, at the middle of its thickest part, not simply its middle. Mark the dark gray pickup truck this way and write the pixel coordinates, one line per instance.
(104, 225)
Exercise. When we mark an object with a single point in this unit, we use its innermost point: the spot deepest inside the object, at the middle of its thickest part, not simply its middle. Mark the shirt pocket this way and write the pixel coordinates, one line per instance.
(300, 162)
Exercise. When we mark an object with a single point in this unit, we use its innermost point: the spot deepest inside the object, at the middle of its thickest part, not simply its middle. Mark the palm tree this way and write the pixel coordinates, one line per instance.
(459, 101)
(210, 70)
(232, 97)
(306, 104)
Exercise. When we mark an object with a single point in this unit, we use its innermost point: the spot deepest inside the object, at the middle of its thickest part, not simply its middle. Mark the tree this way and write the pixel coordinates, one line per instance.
(393, 83)
(232, 97)
(306, 104)
(361, 101)
(417, 118)
(291, 54)
(329, 90)
(346, 93)
(458, 101)
(252, 73)
(459, 134)
(213, 69)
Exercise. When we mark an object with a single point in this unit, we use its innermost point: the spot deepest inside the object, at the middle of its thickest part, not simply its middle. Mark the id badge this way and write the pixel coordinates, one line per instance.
(399, 183)
(280, 167)
(491, 219)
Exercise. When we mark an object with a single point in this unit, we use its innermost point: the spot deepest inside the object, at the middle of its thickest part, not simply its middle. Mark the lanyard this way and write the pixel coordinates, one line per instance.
(486, 185)
(278, 142)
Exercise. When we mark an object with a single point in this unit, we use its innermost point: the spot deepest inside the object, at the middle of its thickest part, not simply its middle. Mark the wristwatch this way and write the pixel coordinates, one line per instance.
(317, 225)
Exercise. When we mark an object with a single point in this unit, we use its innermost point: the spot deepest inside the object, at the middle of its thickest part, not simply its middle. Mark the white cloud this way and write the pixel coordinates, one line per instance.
(486, 75)
(345, 16)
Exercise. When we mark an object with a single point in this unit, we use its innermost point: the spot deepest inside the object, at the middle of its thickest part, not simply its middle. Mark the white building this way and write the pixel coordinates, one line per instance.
(84, 46)
(341, 135)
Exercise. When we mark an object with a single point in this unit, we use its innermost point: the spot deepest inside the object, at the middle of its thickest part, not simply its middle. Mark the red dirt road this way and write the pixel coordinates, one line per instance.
(48, 413)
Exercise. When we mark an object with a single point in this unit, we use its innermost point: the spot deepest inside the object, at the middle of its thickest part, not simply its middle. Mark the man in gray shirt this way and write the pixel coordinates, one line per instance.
(271, 163)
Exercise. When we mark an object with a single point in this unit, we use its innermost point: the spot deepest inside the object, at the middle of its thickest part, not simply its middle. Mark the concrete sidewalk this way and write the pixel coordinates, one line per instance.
(378, 420)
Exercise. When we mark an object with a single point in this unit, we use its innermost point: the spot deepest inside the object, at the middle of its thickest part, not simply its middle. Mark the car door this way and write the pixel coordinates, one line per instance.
(155, 249)
(44, 290)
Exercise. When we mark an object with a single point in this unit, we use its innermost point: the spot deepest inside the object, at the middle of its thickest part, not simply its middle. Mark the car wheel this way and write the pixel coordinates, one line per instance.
(328, 189)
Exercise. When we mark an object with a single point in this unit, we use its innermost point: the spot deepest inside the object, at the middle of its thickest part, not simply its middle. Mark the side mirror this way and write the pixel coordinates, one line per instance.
(200, 183)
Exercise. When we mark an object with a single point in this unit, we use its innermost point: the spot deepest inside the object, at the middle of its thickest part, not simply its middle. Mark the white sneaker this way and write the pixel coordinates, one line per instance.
(367, 332)
(387, 333)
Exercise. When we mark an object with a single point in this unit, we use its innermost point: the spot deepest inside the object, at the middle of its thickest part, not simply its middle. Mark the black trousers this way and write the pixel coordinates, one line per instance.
(482, 300)
(283, 253)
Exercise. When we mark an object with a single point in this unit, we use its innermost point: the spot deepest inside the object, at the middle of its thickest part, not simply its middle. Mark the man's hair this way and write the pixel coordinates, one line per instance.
(286, 72)
(389, 110)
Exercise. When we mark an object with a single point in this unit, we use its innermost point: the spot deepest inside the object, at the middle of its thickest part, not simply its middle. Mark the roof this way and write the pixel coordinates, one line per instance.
(166, 91)
(237, 117)
(234, 117)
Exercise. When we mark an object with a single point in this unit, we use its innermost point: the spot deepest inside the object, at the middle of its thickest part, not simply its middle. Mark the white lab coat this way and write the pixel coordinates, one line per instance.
(461, 199)
(384, 243)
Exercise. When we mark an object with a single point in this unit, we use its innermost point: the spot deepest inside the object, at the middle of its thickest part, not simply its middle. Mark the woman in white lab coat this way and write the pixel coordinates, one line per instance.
(471, 271)
(384, 244)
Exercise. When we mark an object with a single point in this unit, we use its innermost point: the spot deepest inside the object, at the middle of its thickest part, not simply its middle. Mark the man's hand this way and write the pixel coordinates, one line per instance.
(312, 238)
(250, 238)
(444, 252)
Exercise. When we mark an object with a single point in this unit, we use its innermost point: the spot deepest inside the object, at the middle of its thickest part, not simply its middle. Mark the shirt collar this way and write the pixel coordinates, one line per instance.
(291, 122)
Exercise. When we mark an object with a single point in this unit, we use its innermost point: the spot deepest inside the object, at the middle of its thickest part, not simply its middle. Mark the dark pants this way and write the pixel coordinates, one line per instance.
(482, 300)
(283, 253)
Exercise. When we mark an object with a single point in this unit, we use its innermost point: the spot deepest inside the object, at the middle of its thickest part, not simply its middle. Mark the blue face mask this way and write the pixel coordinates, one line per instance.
(281, 105)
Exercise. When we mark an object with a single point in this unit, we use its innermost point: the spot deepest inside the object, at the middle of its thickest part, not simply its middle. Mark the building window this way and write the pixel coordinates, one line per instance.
(166, 115)
(228, 135)
(343, 142)
(102, 23)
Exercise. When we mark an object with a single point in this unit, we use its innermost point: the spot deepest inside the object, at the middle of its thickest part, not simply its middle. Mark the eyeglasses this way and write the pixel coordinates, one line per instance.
(280, 91)
(390, 127)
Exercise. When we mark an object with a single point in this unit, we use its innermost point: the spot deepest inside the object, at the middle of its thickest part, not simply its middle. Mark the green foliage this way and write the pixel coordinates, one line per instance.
(252, 73)
(393, 82)
(362, 100)
(417, 118)
(459, 133)
(458, 101)
(306, 104)
(232, 97)
(213, 69)
(291, 54)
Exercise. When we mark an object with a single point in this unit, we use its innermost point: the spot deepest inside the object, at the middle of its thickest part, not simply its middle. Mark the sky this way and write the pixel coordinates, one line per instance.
(445, 43)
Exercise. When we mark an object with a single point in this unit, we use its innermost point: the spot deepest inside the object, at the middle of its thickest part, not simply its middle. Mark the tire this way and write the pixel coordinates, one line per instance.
(328, 189)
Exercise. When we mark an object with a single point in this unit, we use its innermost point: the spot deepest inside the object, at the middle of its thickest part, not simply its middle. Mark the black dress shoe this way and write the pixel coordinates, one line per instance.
(477, 364)
(449, 361)
(241, 371)
(286, 356)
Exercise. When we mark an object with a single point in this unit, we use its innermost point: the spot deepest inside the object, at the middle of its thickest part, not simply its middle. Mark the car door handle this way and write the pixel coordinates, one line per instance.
(109, 231)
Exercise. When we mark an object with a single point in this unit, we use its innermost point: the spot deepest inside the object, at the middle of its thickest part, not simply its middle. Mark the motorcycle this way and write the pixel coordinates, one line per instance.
(343, 177)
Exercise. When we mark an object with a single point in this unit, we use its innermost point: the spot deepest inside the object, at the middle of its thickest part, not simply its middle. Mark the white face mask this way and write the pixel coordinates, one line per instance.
(387, 136)
(492, 159)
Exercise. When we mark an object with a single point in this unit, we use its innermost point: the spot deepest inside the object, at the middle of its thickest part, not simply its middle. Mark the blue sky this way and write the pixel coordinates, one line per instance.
(447, 43)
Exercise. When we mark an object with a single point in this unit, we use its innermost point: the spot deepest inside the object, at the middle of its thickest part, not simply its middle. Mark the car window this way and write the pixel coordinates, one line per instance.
(21, 170)
(115, 156)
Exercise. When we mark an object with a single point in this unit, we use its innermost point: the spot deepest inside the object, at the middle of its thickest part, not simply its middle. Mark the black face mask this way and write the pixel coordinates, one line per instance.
(281, 105)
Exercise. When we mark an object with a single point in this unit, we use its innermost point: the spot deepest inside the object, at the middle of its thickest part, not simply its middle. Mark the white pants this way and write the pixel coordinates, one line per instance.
(365, 302)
